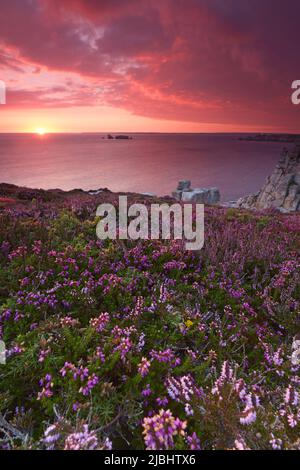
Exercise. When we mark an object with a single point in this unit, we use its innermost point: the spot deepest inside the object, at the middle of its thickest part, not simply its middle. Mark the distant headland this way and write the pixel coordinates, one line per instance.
(285, 138)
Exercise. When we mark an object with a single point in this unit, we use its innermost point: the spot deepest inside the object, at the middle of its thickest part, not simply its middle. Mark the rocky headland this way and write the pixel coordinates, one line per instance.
(282, 189)
(286, 138)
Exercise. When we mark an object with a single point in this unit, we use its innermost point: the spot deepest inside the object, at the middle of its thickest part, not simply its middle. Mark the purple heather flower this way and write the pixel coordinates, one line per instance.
(100, 354)
(43, 354)
(276, 443)
(147, 391)
(144, 367)
(188, 410)
(248, 416)
(124, 347)
(162, 401)
(99, 323)
(240, 444)
(69, 322)
(47, 386)
(84, 440)
(193, 442)
(14, 351)
(160, 430)
(51, 436)
(93, 380)
(291, 396)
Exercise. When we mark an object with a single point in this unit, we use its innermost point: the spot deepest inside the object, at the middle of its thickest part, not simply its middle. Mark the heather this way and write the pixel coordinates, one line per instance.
(122, 344)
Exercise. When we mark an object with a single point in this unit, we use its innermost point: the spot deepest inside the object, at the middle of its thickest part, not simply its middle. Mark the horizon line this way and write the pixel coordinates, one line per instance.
(153, 132)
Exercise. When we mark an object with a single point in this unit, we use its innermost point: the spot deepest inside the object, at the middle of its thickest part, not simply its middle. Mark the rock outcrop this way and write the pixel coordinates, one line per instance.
(185, 193)
(282, 189)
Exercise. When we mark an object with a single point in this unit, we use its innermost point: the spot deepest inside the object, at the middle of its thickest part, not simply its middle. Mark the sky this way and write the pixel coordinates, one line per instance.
(149, 65)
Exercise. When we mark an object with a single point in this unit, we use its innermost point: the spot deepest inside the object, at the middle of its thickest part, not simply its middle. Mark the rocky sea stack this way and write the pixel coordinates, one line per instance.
(282, 189)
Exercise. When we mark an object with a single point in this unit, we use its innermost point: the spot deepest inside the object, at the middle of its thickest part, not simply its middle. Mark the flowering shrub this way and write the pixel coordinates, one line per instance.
(160, 429)
(120, 344)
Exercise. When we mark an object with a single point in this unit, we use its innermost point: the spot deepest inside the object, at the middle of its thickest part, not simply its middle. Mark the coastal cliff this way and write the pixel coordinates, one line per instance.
(282, 189)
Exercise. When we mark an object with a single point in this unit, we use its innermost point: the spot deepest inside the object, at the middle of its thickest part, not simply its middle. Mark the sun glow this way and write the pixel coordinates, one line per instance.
(40, 131)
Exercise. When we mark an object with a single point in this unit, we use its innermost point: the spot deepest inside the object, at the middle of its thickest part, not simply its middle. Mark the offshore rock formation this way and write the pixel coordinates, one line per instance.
(185, 193)
(282, 189)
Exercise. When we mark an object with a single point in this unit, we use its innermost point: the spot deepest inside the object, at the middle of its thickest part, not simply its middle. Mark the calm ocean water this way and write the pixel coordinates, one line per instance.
(147, 163)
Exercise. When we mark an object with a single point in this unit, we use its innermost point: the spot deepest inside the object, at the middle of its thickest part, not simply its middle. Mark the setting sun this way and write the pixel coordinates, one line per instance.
(40, 131)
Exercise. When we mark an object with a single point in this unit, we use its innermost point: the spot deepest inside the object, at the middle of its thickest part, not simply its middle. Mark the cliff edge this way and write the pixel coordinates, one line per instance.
(282, 189)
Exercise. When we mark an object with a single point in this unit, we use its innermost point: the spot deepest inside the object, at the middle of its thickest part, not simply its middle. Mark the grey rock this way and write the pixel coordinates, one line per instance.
(282, 189)
(95, 192)
(195, 195)
(207, 196)
(185, 193)
(177, 195)
(229, 204)
(183, 185)
(213, 196)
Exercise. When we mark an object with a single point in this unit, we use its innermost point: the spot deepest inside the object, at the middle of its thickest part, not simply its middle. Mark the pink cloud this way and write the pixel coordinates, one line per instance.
(192, 60)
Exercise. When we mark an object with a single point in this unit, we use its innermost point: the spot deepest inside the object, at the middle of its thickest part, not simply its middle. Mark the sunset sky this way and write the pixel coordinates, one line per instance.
(149, 65)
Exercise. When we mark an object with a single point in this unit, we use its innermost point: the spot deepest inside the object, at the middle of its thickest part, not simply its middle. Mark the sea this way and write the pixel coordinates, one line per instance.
(145, 163)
